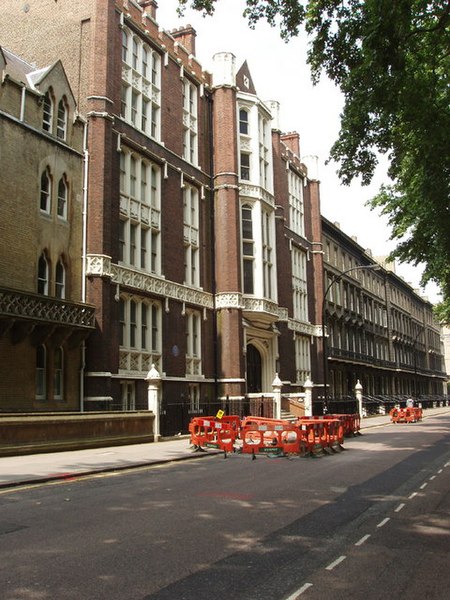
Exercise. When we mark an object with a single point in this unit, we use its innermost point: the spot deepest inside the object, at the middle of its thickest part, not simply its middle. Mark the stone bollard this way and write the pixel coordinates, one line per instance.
(308, 385)
(153, 380)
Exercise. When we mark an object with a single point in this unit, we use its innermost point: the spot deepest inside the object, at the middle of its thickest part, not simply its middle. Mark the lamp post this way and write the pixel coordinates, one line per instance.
(421, 330)
(334, 280)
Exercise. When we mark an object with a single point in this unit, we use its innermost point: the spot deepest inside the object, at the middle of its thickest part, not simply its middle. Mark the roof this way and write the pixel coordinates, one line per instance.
(22, 71)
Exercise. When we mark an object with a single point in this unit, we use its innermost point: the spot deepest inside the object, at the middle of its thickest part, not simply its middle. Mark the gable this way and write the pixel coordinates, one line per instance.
(244, 80)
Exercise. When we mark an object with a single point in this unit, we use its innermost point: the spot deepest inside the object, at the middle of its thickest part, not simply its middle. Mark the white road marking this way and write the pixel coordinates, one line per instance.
(362, 540)
(440, 470)
(383, 522)
(399, 507)
(412, 495)
(300, 591)
(335, 563)
(423, 486)
(432, 477)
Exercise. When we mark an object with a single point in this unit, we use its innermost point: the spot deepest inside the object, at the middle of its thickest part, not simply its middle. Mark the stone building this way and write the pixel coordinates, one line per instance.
(43, 317)
(380, 330)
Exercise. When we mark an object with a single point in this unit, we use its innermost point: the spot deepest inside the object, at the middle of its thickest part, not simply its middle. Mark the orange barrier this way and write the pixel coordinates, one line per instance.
(209, 432)
(308, 436)
(406, 415)
(270, 437)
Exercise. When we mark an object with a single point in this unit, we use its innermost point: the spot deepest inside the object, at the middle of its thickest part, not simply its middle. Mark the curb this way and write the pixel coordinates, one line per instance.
(81, 474)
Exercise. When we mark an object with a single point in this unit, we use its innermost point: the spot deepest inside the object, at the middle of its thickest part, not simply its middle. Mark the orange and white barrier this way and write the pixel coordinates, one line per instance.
(406, 415)
(308, 436)
(209, 432)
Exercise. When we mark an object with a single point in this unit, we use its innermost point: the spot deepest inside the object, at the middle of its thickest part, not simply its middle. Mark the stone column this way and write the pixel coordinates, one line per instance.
(359, 395)
(154, 381)
(308, 385)
(276, 386)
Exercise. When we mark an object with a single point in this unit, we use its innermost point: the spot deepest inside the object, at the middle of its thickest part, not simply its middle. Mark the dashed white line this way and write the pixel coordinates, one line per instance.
(362, 540)
(335, 563)
(300, 591)
(412, 495)
(399, 507)
(423, 486)
(440, 471)
(383, 522)
(432, 477)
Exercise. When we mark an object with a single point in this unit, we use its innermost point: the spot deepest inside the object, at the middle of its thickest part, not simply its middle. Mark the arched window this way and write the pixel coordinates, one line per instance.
(47, 118)
(42, 283)
(59, 374)
(243, 121)
(62, 197)
(41, 372)
(125, 45)
(61, 123)
(60, 280)
(45, 196)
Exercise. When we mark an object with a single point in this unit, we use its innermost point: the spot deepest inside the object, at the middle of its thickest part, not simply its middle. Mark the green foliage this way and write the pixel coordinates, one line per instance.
(391, 60)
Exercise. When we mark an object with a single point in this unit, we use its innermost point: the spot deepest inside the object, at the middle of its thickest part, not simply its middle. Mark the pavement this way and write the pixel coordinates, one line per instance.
(40, 468)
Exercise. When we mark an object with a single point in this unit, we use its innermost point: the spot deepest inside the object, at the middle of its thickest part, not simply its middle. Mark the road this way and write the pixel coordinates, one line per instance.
(370, 522)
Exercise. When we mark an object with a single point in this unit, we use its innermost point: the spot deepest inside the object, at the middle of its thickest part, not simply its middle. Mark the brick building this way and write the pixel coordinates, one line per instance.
(191, 244)
(204, 251)
(43, 317)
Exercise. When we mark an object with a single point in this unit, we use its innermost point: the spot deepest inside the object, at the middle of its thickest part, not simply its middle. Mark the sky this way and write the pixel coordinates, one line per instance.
(279, 72)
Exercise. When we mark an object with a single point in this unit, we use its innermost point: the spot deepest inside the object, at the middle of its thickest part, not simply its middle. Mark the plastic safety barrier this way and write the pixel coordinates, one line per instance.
(308, 436)
(209, 432)
(406, 415)
(270, 437)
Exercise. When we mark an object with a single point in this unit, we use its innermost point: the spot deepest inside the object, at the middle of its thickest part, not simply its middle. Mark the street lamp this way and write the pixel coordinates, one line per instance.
(334, 280)
(421, 330)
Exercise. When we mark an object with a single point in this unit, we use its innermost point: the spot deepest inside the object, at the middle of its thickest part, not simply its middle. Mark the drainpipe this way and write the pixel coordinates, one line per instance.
(84, 253)
(22, 104)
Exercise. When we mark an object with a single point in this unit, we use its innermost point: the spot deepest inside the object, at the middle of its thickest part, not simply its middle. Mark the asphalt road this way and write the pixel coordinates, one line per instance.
(371, 522)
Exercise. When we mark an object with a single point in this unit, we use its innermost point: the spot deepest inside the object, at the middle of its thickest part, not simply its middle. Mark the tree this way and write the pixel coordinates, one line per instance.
(390, 58)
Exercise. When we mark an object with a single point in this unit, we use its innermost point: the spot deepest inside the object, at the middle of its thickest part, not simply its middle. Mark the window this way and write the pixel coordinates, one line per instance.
(245, 166)
(139, 232)
(60, 280)
(128, 395)
(47, 119)
(264, 152)
(134, 61)
(124, 45)
(267, 252)
(59, 374)
(45, 192)
(189, 121)
(194, 397)
(41, 372)
(296, 209)
(299, 284)
(193, 343)
(247, 249)
(61, 124)
(191, 236)
(42, 283)
(243, 121)
(62, 198)
(302, 358)
(141, 88)
(140, 333)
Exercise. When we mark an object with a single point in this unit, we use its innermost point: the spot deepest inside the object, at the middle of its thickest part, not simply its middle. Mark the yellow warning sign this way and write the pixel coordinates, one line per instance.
(220, 414)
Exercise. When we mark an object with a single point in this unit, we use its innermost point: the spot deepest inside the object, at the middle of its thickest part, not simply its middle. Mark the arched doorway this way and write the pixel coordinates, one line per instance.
(254, 370)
